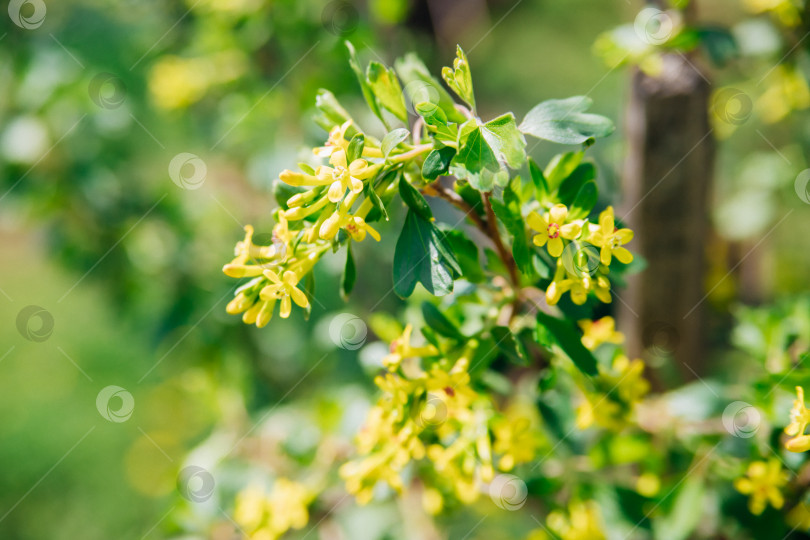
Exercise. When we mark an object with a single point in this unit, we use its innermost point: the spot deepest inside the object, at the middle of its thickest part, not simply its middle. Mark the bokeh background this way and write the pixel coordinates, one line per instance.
(99, 97)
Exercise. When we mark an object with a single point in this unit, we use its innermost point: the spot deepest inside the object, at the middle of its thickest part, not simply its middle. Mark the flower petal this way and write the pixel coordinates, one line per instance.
(286, 307)
(336, 191)
(536, 222)
(558, 214)
(299, 297)
(555, 247)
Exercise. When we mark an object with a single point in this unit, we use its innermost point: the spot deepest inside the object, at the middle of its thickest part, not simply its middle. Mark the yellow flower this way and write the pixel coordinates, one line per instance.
(284, 288)
(617, 393)
(354, 225)
(244, 251)
(344, 175)
(552, 228)
(582, 522)
(401, 349)
(517, 435)
(799, 418)
(762, 482)
(268, 517)
(598, 332)
(611, 239)
(336, 141)
(786, 10)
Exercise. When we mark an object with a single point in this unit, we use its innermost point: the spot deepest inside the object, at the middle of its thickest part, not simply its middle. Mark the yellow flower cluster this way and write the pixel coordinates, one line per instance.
(266, 516)
(598, 332)
(612, 403)
(787, 11)
(582, 521)
(763, 482)
(335, 193)
(574, 243)
(429, 410)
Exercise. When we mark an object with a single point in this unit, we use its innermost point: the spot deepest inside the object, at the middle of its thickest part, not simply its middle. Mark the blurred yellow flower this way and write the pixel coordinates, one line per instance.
(787, 91)
(762, 482)
(598, 332)
(268, 517)
(176, 82)
(582, 521)
(786, 10)
(799, 418)
(612, 403)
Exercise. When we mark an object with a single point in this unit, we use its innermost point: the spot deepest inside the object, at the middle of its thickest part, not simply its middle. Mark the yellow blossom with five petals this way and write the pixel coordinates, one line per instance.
(552, 228)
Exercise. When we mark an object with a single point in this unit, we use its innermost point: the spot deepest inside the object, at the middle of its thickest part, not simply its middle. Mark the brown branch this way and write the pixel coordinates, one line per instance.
(456, 200)
(503, 253)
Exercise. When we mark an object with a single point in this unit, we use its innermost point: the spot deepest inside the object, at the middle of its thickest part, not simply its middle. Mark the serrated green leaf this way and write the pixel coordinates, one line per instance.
(437, 321)
(355, 149)
(568, 338)
(423, 255)
(414, 200)
(392, 139)
(437, 162)
(349, 274)
(488, 150)
(459, 78)
(386, 88)
(506, 141)
(564, 121)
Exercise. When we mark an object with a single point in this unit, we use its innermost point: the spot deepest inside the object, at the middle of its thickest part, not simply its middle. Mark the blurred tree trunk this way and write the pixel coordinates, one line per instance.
(666, 186)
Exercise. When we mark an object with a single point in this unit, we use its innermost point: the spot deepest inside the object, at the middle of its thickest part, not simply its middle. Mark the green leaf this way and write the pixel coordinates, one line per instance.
(459, 78)
(349, 274)
(423, 255)
(415, 201)
(436, 120)
(511, 347)
(436, 320)
(355, 150)
(437, 162)
(565, 121)
(421, 86)
(370, 193)
(282, 192)
(560, 167)
(568, 338)
(307, 168)
(330, 112)
(392, 140)
(509, 215)
(467, 254)
(488, 150)
(686, 512)
(585, 172)
(508, 144)
(585, 201)
(368, 93)
(386, 88)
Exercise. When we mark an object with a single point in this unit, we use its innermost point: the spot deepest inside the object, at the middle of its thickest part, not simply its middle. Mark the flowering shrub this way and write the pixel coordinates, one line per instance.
(458, 397)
